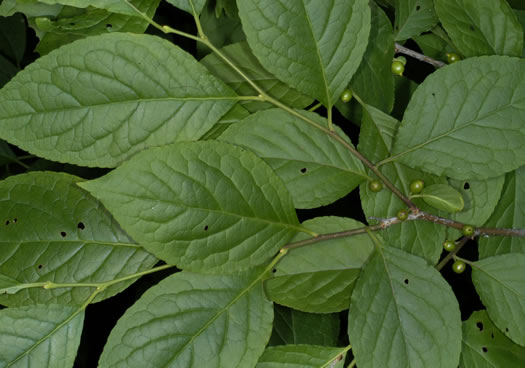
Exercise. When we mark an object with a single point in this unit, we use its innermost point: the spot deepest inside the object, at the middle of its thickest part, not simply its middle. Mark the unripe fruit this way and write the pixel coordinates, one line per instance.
(452, 58)
(468, 230)
(398, 67)
(346, 96)
(375, 185)
(449, 245)
(459, 266)
(417, 186)
(402, 215)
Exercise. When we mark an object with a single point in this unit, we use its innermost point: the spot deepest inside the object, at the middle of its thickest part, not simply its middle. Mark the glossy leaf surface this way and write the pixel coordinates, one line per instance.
(98, 101)
(193, 320)
(40, 336)
(200, 205)
(51, 230)
(314, 46)
(316, 169)
(403, 314)
(465, 120)
(500, 284)
(319, 278)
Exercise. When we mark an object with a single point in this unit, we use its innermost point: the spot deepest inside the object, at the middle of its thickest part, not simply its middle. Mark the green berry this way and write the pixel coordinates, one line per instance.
(459, 266)
(417, 186)
(401, 59)
(398, 67)
(402, 215)
(468, 230)
(375, 185)
(452, 58)
(449, 245)
(346, 96)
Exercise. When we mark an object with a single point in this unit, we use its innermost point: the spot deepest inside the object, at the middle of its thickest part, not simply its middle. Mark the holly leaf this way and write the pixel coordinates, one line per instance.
(200, 205)
(305, 356)
(402, 310)
(479, 27)
(510, 214)
(319, 278)
(313, 46)
(98, 101)
(316, 169)
(501, 287)
(485, 346)
(465, 120)
(40, 335)
(194, 320)
(413, 17)
(443, 197)
(51, 230)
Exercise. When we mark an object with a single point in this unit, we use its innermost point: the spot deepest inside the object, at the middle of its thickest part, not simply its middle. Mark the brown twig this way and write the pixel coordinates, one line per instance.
(400, 49)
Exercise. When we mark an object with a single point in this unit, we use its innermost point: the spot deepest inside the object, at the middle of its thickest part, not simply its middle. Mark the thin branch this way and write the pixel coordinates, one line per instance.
(451, 255)
(400, 49)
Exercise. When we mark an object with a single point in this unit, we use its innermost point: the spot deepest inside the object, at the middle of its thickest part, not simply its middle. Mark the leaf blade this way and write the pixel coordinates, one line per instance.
(86, 103)
(215, 321)
(325, 75)
(479, 134)
(404, 311)
(214, 205)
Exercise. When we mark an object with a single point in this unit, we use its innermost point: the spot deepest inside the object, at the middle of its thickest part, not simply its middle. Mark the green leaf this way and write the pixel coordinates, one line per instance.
(75, 23)
(480, 27)
(241, 55)
(98, 101)
(31, 8)
(316, 169)
(509, 213)
(373, 81)
(51, 230)
(291, 326)
(432, 46)
(314, 46)
(319, 278)
(417, 237)
(485, 346)
(40, 336)
(193, 320)
(304, 356)
(114, 6)
(443, 197)
(191, 6)
(413, 17)
(481, 197)
(500, 285)
(465, 120)
(200, 205)
(403, 314)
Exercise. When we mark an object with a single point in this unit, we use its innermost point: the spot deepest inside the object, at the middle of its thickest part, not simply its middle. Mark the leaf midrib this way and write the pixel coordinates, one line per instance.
(131, 101)
(217, 315)
(449, 132)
